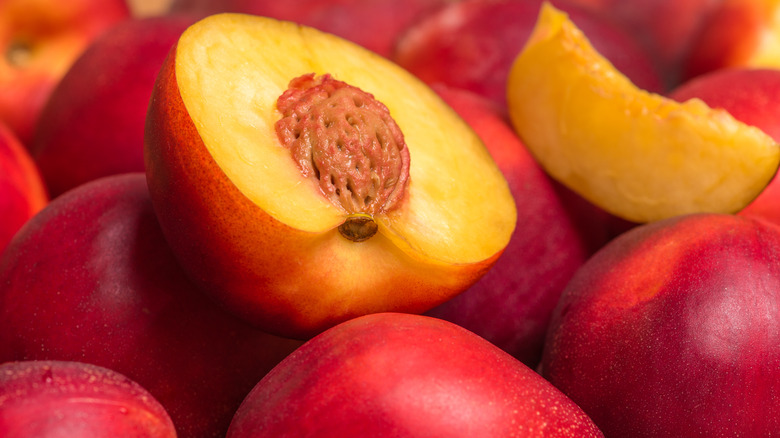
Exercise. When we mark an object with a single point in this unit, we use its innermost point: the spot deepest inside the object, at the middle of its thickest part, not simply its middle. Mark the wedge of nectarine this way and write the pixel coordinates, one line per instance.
(303, 180)
(636, 154)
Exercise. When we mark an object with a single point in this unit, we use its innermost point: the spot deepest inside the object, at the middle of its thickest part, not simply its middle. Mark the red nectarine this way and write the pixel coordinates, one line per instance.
(308, 181)
(90, 278)
(401, 375)
(48, 399)
(673, 329)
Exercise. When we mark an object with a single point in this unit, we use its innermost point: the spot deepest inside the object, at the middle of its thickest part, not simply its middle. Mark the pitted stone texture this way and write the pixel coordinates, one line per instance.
(345, 139)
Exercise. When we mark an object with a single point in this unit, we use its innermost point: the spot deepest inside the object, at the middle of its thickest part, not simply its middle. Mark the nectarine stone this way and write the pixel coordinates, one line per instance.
(346, 140)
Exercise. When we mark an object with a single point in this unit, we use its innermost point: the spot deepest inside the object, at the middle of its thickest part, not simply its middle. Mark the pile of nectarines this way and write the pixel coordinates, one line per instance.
(402, 218)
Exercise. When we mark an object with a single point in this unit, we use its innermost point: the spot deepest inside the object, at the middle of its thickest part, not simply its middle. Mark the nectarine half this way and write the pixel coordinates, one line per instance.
(303, 180)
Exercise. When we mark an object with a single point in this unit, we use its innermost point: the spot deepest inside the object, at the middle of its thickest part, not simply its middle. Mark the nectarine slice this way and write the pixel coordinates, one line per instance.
(303, 180)
(638, 155)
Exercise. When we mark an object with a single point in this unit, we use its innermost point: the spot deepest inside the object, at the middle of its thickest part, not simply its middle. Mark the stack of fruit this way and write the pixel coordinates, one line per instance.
(342, 218)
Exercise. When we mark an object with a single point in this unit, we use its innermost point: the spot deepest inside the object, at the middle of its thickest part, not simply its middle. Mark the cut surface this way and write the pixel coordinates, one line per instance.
(231, 70)
(638, 155)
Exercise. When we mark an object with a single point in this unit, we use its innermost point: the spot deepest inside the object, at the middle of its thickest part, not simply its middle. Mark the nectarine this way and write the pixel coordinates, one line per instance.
(91, 279)
(39, 42)
(40, 399)
(673, 329)
(303, 180)
(93, 123)
(401, 375)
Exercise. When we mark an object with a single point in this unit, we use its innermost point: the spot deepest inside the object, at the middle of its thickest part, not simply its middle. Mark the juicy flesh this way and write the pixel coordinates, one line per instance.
(232, 68)
(636, 154)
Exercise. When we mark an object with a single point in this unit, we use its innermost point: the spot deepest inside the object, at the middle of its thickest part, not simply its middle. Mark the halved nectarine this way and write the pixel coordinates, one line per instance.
(303, 180)
(638, 155)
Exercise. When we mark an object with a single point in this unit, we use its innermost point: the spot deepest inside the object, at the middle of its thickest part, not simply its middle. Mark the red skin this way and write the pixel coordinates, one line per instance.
(72, 399)
(91, 279)
(472, 44)
(22, 191)
(401, 375)
(92, 127)
(672, 329)
(374, 24)
(730, 36)
(753, 97)
(667, 28)
(512, 304)
(56, 33)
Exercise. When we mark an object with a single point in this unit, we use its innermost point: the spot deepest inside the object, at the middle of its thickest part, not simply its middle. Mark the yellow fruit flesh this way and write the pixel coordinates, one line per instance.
(231, 69)
(638, 155)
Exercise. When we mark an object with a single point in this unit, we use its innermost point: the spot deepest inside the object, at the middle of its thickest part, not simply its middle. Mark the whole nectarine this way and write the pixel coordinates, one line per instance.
(93, 123)
(401, 375)
(73, 399)
(90, 278)
(673, 329)
(39, 42)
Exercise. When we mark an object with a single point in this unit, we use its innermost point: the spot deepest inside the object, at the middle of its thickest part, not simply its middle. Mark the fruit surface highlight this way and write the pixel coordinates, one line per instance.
(401, 375)
(638, 155)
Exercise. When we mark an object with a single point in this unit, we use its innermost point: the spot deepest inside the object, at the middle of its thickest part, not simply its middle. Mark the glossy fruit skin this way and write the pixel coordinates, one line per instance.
(512, 304)
(402, 375)
(471, 44)
(672, 330)
(92, 279)
(93, 123)
(260, 268)
(49, 399)
(22, 190)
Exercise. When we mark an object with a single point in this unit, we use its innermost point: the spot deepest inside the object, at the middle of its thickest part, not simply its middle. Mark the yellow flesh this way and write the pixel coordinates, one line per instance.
(231, 69)
(636, 154)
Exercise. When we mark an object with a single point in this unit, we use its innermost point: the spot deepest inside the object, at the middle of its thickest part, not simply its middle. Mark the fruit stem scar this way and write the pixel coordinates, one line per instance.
(358, 227)
(346, 141)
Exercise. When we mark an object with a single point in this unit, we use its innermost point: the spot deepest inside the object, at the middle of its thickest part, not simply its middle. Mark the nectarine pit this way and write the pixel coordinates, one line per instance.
(346, 140)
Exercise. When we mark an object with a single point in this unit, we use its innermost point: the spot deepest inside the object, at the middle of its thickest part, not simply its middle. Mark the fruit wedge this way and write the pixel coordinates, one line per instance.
(638, 155)
(303, 180)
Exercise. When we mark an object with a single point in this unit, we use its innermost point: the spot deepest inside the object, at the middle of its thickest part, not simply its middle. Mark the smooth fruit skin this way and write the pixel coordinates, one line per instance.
(738, 33)
(90, 278)
(22, 190)
(40, 40)
(401, 375)
(93, 123)
(241, 251)
(511, 305)
(471, 44)
(672, 330)
(751, 95)
(50, 399)
(668, 29)
(374, 24)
